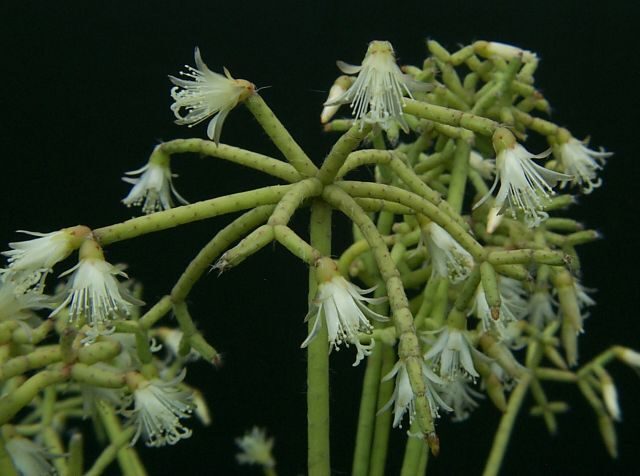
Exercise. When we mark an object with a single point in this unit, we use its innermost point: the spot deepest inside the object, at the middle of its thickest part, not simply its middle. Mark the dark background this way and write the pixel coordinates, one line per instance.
(85, 97)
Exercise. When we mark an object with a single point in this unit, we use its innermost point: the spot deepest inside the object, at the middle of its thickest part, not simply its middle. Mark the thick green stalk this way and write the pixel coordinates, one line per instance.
(189, 213)
(451, 117)
(459, 171)
(110, 452)
(380, 444)
(339, 152)
(409, 347)
(507, 421)
(280, 136)
(413, 454)
(318, 455)
(223, 239)
(243, 157)
(293, 199)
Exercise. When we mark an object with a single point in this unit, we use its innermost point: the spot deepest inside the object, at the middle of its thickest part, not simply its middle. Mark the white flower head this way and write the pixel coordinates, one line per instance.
(153, 189)
(524, 185)
(452, 354)
(343, 306)
(94, 293)
(513, 307)
(540, 309)
(29, 458)
(448, 259)
(485, 167)
(159, 406)
(256, 448)
(16, 304)
(582, 164)
(459, 395)
(377, 94)
(403, 398)
(31, 260)
(205, 94)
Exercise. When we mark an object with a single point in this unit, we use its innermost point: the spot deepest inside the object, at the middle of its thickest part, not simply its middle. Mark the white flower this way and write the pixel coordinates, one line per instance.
(207, 94)
(94, 293)
(403, 398)
(29, 458)
(153, 189)
(459, 395)
(159, 406)
(452, 354)
(513, 307)
(376, 96)
(15, 304)
(31, 260)
(540, 309)
(342, 305)
(338, 88)
(256, 448)
(485, 167)
(171, 338)
(448, 259)
(582, 164)
(524, 185)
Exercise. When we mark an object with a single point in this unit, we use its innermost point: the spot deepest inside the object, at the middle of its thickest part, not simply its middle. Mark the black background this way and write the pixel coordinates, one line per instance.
(84, 97)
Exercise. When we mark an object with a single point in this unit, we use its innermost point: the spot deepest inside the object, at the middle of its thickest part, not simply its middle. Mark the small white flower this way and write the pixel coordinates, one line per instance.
(159, 406)
(513, 307)
(171, 338)
(582, 164)
(153, 189)
(256, 448)
(452, 354)
(448, 259)
(342, 305)
(459, 395)
(207, 94)
(403, 398)
(540, 309)
(505, 51)
(377, 94)
(31, 260)
(29, 458)
(15, 304)
(338, 88)
(524, 185)
(94, 293)
(485, 167)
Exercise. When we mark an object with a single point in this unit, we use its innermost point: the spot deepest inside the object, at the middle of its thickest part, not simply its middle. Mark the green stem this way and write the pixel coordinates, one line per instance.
(413, 454)
(318, 456)
(409, 347)
(380, 444)
(459, 171)
(293, 199)
(339, 152)
(189, 213)
(280, 136)
(110, 452)
(6, 464)
(243, 157)
(501, 439)
(451, 117)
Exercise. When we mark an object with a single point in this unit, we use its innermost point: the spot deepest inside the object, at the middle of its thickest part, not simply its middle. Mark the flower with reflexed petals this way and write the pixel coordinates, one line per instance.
(94, 293)
(159, 406)
(377, 94)
(29, 458)
(513, 307)
(452, 354)
(448, 259)
(459, 395)
(582, 164)
(205, 94)
(256, 448)
(31, 260)
(153, 189)
(342, 305)
(403, 398)
(524, 185)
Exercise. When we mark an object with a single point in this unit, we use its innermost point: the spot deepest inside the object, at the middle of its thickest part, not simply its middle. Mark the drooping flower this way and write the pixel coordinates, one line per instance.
(16, 304)
(205, 94)
(449, 260)
(93, 291)
(513, 307)
(485, 167)
(403, 398)
(153, 189)
(31, 260)
(452, 354)
(540, 309)
(29, 458)
(524, 185)
(377, 94)
(582, 164)
(459, 395)
(343, 306)
(158, 407)
(256, 448)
